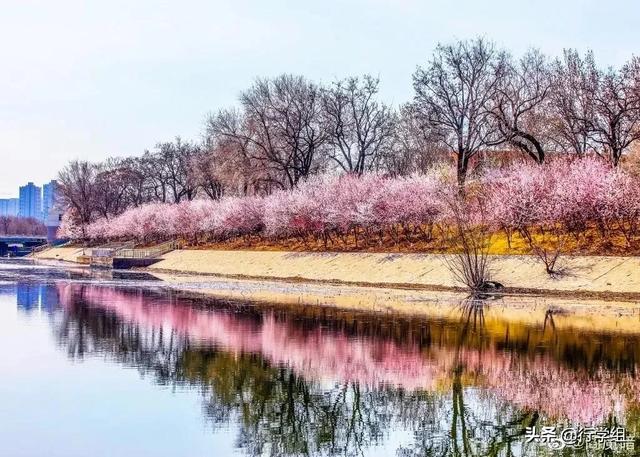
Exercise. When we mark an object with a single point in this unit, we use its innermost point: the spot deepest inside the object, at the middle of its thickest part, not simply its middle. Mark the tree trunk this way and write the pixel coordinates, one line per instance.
(615, 156)
(462, 166)
(533, 148)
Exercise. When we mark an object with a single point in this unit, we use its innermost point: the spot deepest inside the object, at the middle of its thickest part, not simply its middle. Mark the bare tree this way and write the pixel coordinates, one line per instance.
(416, 148)
(115, 183)
(596, 110)
(156, 185)
(279, 126)
(138, 184)
(208, 171)
(453, 95)
(246, 167)
(572, 101)
(28, 226)
(616, 124)
(101, 190)
(77, 190)
(470, 264)
(519, 103)
(361, 129)
(175, 160)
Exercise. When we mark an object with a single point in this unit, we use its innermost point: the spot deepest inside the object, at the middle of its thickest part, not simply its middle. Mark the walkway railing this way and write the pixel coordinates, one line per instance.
(110, 250)
(148, 253)
(40, 248)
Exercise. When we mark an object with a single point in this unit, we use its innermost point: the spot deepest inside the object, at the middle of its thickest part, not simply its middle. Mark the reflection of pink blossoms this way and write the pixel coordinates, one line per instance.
(318, 354)
(544, 385)
(538, 383)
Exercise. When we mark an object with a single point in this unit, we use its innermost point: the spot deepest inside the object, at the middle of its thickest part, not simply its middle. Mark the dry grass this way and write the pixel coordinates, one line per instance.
(588, 243)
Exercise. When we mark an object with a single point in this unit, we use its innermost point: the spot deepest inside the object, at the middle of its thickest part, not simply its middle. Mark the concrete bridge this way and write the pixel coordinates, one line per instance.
(19, 245)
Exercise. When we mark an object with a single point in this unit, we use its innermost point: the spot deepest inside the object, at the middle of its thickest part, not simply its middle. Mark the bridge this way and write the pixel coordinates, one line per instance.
(19, 245)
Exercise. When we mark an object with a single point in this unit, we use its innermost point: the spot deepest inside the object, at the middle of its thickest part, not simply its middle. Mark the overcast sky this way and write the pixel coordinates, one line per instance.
(91, 79)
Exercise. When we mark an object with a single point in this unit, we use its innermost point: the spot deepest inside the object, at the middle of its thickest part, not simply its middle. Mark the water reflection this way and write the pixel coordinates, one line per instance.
(33, 296)
(322, 381)
(27, 271)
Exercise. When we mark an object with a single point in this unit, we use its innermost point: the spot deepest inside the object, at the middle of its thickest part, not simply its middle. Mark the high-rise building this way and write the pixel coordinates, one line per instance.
(30, 201)
(9, 206)
(49, 198)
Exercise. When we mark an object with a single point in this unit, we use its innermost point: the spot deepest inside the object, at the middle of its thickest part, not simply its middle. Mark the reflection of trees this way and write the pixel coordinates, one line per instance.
(463, 422)
(472, 433)
(509, 436)
(268, 376)
(284, 414)
(281, 411)
(88, 331)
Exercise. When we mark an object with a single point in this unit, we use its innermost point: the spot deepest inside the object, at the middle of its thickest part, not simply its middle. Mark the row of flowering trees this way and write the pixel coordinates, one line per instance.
(471, 100)
(561, 198)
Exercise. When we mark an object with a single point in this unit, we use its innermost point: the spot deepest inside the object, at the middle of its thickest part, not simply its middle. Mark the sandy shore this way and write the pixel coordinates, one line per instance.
(66, 254)
(584, 276)
(617, 276)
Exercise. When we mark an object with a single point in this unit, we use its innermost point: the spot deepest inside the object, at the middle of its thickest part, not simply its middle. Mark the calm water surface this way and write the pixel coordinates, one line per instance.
(102, 366)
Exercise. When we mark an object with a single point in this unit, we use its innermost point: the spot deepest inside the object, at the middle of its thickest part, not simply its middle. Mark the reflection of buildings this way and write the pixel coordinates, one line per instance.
(36, 296)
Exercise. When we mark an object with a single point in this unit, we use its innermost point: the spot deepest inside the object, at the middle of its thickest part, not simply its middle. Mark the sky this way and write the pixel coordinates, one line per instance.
(93, 79)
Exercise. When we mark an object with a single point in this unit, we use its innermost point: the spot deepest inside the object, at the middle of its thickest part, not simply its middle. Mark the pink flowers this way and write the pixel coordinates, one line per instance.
(568, 194)
(535, 382)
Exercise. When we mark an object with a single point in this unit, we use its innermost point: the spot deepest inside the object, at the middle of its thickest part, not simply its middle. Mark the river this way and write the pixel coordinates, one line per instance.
(96, 364)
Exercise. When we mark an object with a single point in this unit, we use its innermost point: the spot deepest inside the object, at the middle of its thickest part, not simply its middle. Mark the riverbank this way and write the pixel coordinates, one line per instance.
(610, 277)
(597, 294)
(583, 276)
(66, 254)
